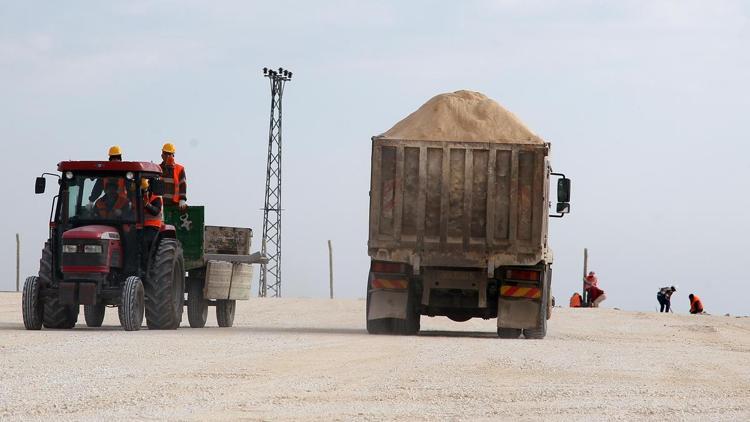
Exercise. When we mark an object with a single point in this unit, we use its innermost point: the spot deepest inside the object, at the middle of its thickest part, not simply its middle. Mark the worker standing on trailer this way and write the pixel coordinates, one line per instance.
(153, 218)
(696, 306)
(173, 175)
(664, 296)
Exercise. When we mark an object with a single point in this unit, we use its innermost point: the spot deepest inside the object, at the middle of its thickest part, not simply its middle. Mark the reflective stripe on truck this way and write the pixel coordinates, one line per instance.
(381, 283)
(518, 291)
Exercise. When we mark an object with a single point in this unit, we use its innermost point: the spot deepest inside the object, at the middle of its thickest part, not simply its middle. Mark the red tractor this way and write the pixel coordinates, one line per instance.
(99, 254)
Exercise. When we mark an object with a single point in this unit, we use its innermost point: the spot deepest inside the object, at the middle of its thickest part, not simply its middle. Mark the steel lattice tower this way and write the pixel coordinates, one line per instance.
(270, 275)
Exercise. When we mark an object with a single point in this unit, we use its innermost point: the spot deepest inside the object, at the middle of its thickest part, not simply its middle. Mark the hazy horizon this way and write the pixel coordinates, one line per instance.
(644, 104)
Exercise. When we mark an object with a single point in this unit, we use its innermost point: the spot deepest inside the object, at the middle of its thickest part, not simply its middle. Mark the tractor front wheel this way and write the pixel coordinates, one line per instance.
(33, 311)
(132, 304)
(94, 315)
(55, 315)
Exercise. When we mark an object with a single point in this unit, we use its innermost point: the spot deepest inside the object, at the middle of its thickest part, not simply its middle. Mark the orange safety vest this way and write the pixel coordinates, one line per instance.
(154, 220)
(101, 206)
(696, 306)
(120, 184)
(176, 173)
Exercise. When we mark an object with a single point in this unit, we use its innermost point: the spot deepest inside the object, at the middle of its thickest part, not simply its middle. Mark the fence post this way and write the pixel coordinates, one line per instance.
(330, 267)
(18, 261)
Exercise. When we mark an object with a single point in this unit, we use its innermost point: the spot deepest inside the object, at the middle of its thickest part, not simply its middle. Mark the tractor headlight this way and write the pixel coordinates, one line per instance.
(70, 248)
(92, 248)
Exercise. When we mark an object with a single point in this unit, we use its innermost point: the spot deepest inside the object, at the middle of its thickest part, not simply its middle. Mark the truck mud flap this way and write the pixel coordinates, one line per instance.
(388, 304)
(517, 313)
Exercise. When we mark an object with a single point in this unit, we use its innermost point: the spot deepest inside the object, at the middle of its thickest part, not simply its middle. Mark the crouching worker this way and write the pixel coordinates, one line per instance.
(153, 218)
(696, 306)
(591, 286)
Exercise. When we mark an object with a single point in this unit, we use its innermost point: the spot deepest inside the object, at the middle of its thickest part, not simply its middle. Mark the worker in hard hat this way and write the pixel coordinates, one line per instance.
(113, 204)
(153, 218)
(115, 154)
(173, 175)
(696, 306)
(664, 296)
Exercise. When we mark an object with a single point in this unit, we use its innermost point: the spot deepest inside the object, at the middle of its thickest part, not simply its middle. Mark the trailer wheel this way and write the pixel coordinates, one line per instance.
(94, 315)
(132, 304)
(504, 332)
(225, 312)
(165, 287)
(33, 311)
(197, 305)
(54, 315)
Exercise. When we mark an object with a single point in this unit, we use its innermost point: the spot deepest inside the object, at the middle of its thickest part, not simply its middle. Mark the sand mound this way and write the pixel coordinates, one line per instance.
(462, 116)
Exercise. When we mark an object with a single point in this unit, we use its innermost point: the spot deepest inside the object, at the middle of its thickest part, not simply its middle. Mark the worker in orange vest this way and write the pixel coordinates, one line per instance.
(591, 285)
(696, 306)
(153, 218)
(173, 175)
(113, 204)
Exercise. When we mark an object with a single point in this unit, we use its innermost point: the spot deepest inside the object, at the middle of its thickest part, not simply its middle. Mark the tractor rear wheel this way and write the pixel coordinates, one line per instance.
(33, 311)
(197, 305)
(55, 315)
(131, 306)
(94, 315)
(225, 312)
(165, 287)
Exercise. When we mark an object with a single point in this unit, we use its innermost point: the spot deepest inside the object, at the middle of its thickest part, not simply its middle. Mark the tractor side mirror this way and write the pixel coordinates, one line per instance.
(157, 186)
(563, 190)
(40, 184)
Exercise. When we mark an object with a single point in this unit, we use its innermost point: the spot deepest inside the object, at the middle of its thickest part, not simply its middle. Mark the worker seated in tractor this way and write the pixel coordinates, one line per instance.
(114, 204)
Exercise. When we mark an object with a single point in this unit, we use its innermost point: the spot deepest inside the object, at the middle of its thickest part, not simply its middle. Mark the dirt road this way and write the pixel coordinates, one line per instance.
(310, 359)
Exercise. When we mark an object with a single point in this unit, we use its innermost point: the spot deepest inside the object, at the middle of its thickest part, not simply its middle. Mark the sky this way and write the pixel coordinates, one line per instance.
(645, 104)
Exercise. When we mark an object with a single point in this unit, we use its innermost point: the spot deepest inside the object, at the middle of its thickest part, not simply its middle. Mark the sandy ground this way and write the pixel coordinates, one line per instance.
(311, 359)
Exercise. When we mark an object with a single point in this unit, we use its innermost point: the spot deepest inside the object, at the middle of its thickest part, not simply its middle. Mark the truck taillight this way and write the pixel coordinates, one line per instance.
(523, 275)
(388, 267)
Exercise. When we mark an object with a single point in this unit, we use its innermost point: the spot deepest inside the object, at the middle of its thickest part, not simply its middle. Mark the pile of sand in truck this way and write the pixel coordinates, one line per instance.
(465, 116)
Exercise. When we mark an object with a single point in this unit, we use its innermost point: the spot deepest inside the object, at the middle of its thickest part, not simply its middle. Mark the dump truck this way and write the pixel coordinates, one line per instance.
(96, 255)
(459, 211)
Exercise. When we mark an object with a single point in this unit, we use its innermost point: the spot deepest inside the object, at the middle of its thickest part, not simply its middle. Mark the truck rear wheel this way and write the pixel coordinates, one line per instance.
(225, 312)
(94, 315)
(540, 331)
(132, 304)
(54, 315)
(197, 305)
(504, 332)
(165, 287)
(33, 311)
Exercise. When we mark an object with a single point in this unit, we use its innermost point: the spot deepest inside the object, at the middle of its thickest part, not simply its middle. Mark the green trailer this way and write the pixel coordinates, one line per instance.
(218, 264)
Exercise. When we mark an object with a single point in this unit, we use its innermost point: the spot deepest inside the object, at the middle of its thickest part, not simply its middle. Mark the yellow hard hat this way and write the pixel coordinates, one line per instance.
(144, 183)
(115, 150)
(168, 147)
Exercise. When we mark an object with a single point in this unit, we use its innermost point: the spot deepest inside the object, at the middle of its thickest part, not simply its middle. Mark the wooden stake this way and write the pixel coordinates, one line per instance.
(18, 261)
(330, 267)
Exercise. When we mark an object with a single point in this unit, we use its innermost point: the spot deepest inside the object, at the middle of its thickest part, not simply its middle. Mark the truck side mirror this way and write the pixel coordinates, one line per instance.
(157, 186)
(563, 207)
(563, 190)
(40, 184)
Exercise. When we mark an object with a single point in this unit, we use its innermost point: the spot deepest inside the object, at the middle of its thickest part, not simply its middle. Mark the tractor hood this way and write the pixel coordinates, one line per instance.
(92, 232)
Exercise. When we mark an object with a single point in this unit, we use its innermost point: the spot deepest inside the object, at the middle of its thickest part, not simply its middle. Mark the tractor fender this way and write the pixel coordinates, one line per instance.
(168, 231)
